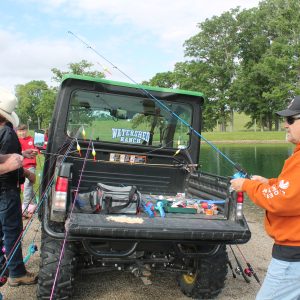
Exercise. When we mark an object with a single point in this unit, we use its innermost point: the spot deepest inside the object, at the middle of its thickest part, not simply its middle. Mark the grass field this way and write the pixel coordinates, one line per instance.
(102, 130)
(245, 136)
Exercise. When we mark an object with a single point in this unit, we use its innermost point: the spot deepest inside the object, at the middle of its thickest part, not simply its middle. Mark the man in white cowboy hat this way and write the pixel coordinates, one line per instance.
(11, 225)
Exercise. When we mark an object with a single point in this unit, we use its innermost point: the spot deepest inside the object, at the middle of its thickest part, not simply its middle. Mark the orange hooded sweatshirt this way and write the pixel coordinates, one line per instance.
(280, 197)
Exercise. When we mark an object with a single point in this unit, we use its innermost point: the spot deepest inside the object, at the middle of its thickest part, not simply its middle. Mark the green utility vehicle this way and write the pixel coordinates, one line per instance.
(123, 188)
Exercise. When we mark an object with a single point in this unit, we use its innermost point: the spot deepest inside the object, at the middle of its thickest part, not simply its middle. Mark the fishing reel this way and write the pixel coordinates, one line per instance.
(247, 272)
(3, 280)
(240, 271)
(241, 173)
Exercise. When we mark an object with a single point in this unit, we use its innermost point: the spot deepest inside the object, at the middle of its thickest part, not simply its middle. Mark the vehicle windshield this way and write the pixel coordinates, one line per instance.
(127, 119)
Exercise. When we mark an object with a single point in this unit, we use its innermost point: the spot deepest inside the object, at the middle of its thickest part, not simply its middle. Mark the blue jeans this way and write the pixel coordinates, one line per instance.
(11, 227)
(282, 281)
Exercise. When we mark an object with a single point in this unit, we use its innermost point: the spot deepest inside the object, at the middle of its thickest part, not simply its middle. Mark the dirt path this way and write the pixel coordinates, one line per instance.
(118, 285)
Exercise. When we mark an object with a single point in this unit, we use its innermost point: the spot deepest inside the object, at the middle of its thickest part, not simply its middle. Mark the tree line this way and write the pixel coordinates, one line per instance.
(243, 61)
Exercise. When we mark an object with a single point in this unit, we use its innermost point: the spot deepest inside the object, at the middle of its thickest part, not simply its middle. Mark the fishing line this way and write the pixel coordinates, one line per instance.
(41, 182)
(27, 226)
(67, 230)
(149, 95)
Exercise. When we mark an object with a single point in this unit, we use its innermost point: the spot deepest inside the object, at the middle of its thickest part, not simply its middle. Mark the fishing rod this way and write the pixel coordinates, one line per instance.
(28, 224)
(241, 172)
(67, 229)
(239, 269)
(249, 271)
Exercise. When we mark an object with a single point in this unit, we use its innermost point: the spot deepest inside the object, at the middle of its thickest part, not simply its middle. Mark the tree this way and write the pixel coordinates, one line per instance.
(164, 79)
(36, 100)
(30, 96)
(81, 68)
(45, 107)
(212, 65)
(269, 60)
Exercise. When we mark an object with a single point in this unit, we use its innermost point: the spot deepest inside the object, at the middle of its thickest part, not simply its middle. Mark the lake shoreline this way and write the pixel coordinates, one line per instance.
(246, 142)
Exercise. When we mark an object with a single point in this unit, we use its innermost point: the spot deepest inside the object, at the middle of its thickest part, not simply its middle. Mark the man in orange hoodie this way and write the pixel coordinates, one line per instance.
(280, 197)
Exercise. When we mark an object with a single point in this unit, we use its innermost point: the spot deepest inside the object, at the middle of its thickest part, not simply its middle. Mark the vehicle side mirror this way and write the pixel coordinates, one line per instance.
(39, 138)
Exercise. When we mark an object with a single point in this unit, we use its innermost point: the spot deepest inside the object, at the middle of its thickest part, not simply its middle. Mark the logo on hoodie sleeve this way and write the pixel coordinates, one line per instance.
(273, 191)
(283, 185)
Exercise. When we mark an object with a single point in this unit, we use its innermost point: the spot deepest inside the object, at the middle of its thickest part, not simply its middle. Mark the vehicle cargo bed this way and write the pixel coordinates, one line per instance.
(121, 226)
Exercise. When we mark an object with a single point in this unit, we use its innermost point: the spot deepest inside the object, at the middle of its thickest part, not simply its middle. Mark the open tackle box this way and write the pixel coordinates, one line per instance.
(105, 199)
(173, 206)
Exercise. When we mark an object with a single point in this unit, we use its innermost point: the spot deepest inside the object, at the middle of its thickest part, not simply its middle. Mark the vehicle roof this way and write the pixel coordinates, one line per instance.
(138, 86)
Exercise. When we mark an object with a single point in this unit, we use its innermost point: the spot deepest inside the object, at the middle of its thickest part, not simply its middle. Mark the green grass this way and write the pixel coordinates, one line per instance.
(245, 135)
(103, 131)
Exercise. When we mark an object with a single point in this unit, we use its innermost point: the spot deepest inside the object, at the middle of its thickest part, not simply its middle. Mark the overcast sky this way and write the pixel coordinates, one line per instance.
(141, 38)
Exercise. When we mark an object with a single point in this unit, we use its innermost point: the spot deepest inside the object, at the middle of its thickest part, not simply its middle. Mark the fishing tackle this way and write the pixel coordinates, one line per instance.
(78, 148)
(27, 226)
(239, 270)
(231, 268)
(93, 152)
(148, 209)
(160, 207)
(3, 279)
(240, 174)
(249, 271)
(67, 231)
(31, 250)
(83, 133)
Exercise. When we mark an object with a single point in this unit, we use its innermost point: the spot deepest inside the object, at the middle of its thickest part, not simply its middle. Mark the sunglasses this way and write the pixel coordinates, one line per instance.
(291, 120)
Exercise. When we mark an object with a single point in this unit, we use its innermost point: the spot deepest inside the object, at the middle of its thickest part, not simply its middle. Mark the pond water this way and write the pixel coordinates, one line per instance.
(261, 159)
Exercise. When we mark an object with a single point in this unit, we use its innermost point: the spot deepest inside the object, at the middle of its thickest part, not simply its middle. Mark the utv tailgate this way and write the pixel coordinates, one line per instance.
(136, 227)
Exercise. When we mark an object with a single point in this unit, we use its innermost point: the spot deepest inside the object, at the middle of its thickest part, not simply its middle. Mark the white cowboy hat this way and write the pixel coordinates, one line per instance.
(8, 103)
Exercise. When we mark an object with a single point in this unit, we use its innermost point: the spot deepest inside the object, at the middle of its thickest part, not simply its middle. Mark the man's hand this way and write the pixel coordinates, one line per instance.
(30, 153)
(10, 162)
(259, 178)
(236, 184)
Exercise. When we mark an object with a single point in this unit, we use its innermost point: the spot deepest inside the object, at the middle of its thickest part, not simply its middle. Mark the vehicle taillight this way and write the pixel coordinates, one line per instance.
(240, 197)
(60, 194)
(61, 184)
(239, 204)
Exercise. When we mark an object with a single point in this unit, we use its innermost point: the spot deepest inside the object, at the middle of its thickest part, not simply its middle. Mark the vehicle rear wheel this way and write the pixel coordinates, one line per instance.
(50, 253)
(207, 278)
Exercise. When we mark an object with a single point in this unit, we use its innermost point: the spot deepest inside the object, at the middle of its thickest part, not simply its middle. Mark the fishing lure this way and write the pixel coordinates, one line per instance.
(78, 148)
(93, 152)
(31, 250)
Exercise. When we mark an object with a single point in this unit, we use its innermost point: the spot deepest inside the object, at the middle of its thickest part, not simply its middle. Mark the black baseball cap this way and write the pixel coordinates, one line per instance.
(292, 109)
